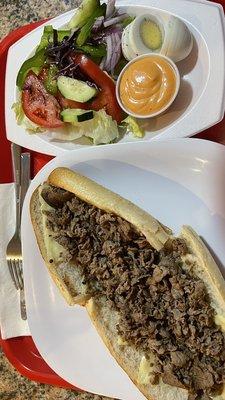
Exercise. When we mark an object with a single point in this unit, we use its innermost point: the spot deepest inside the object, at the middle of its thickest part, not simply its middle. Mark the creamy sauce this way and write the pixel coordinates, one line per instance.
(147, 85)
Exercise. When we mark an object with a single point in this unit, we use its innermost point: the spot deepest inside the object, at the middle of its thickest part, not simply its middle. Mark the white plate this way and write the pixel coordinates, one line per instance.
(200, 102)
(179, 182)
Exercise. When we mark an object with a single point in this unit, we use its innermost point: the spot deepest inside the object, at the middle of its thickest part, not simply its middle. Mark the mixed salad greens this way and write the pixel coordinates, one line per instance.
(69, 82)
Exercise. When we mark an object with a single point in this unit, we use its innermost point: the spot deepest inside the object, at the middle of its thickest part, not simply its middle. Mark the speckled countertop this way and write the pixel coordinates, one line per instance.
(13, 386)
(15, 13)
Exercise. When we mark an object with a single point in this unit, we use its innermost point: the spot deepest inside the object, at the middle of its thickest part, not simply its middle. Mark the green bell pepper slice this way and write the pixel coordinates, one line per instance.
(34, 64)
(47, 36)
(50, 82)
(98, 51)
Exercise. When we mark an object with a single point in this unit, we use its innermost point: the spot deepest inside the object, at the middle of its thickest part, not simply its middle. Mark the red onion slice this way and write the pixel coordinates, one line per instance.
(116, 52)
(98, 24)
(102, 63)
(109, 44)
(114, 20)
(110, 8)
(113, 51)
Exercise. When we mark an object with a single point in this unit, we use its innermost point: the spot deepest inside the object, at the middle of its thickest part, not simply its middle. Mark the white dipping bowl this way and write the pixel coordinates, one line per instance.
(167, 105)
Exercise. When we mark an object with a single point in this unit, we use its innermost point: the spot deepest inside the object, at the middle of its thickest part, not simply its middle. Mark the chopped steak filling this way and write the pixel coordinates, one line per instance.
(163, 307)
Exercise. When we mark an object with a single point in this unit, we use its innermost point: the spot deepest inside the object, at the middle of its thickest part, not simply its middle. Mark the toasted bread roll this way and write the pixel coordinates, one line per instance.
(181, 268)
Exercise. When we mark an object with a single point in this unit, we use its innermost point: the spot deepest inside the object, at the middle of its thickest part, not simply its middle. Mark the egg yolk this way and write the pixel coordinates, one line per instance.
(151, 34)
(147, 85)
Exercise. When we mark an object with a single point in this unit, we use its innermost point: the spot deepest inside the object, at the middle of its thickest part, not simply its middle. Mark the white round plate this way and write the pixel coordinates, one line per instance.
(179, 182)
(200, 102)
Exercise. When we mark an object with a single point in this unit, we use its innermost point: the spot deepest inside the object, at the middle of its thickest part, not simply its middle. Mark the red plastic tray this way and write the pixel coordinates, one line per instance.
(21, 351)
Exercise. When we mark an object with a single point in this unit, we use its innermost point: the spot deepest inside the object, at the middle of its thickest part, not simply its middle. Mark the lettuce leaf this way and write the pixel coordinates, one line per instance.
(101, 129)
(22, 119)
(133, 127)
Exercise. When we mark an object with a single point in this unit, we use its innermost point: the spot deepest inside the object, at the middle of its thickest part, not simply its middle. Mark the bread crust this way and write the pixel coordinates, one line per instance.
(73, 297)
(125, 354)
(157, 234)
(207, 269)
(97, 195)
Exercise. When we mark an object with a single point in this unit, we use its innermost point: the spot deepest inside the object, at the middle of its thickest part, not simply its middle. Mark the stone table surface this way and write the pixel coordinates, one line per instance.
(15, 13)
(13, 386)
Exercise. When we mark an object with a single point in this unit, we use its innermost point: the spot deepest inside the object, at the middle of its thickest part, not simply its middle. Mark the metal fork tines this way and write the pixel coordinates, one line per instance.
(14, 261)
(21, 167)
(15, 269)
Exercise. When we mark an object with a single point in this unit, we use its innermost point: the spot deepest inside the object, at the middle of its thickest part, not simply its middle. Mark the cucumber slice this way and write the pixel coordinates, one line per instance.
(76, 115)
(85, 116)
(84, 11)
(76, 90)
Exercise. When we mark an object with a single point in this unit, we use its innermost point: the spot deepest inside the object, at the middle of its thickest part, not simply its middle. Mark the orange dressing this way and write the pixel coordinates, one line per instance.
(147, 85)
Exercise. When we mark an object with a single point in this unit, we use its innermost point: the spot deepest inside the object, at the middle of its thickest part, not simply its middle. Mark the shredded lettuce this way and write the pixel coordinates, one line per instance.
(67, 133)
(133, 127)
(22, 119)
(101, 129)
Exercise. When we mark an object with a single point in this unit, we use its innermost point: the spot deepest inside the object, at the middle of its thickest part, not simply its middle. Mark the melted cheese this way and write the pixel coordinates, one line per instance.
(145, 370)
(220, 321)
(52, 247)
(220, 396)
(121, 341)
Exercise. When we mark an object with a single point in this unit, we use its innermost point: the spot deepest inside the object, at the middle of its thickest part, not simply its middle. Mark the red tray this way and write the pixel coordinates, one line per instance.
(21, 351)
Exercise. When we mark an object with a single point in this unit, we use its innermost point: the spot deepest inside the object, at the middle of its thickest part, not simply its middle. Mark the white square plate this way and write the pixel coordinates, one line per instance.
(179, 182)
(200, 102)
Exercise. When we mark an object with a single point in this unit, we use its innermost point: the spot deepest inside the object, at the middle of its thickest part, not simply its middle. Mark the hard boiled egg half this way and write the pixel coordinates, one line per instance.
(163, 34)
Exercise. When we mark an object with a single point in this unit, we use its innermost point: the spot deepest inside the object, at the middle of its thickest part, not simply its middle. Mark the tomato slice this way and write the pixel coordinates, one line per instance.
(66, 103)
(39, 106)
(107, 96)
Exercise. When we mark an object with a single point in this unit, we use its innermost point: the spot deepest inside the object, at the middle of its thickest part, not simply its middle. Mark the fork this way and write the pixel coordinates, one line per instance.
(14, 248)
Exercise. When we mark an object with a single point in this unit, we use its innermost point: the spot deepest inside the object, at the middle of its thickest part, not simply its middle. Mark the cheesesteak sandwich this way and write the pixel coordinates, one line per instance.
(158, 301)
